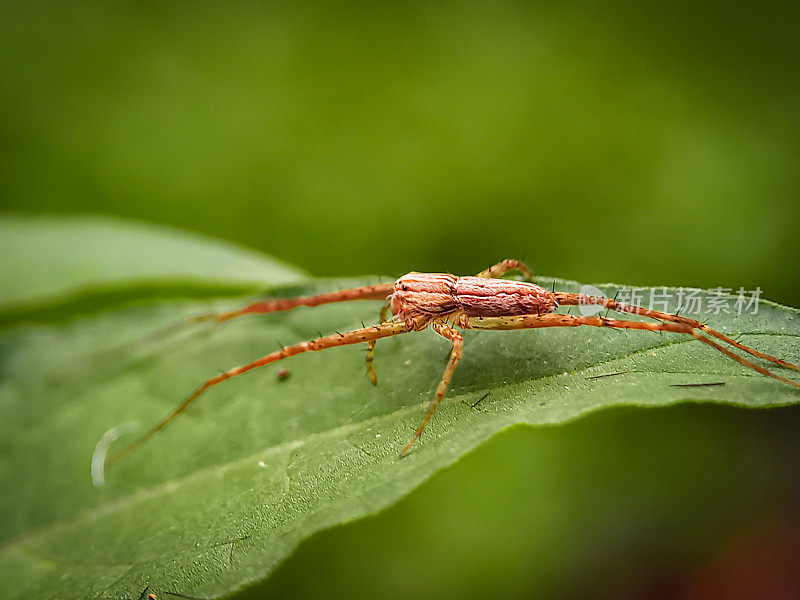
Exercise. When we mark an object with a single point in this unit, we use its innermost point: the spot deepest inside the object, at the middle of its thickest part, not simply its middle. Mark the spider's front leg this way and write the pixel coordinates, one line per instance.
(366, 292)
(371, 373)
(443, 329)
(340, 339)
(270, 305)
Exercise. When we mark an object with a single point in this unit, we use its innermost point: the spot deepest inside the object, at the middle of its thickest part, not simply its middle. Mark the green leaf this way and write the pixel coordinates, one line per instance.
(222, 495)
(54, 262)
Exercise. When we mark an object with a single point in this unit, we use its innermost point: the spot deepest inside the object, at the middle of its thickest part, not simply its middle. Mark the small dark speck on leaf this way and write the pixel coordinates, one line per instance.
(607, 375)
(481, 399)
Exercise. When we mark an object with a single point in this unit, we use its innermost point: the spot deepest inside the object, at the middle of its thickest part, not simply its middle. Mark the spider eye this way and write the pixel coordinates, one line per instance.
(404, 287)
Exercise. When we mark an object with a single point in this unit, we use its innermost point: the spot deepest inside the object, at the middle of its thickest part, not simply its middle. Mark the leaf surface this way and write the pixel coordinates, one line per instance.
(222, 495)
(52, 261)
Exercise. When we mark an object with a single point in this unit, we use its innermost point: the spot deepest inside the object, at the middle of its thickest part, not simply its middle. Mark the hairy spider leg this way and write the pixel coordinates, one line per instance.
(371, 373)
(270, 305)
(559, 320)
(443, 329)
(340, 339)
(366, 292)
(504, 267)
(574, 299)
(492, 272)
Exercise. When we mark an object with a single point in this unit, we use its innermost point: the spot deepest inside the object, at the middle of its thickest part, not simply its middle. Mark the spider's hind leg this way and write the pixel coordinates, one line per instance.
(559, 320)
(504, 267)
(574, 299)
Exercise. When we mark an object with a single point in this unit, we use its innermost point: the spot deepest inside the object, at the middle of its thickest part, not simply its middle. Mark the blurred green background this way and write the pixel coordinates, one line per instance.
(640, 143)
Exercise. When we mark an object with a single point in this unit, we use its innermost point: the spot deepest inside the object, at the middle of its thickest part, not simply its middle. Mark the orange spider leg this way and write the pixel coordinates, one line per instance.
(504, 267)
(371, 373)
(559, 320)
(340, 339)
(366, 292)
(574, 299)
(443, 329)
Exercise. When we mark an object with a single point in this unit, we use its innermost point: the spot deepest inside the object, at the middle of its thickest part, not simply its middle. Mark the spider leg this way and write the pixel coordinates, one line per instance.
(504, 267)
(366, 292)
(373, 376)
(559, 320)
(340, 339)
(565, 298)
(443, 329)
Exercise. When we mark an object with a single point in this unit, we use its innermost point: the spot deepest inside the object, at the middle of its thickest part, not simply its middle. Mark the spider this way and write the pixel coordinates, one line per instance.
(445, 302)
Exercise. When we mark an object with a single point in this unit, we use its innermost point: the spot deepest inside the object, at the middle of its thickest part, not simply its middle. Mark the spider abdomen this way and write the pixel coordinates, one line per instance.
(481, 297)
